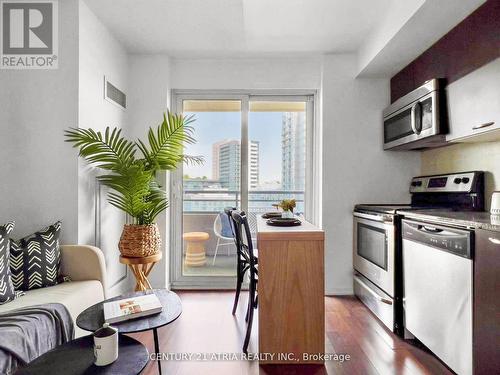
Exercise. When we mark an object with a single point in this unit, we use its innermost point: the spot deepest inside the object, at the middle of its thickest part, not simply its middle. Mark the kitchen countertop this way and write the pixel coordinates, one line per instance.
(471, 219)
(265, 231)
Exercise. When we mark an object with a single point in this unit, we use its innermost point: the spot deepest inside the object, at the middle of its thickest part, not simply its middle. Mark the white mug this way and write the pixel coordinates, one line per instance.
(105, 345)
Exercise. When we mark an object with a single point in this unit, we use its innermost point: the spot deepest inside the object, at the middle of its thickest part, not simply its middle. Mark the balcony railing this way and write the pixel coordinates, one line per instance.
(201, 208)
(212, 201)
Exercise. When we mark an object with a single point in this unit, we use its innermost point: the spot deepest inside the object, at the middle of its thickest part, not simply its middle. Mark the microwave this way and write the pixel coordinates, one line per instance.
(416, 120)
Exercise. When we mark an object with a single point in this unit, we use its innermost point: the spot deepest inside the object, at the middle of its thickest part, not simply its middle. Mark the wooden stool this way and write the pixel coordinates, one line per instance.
(195, 248)
(141, 267)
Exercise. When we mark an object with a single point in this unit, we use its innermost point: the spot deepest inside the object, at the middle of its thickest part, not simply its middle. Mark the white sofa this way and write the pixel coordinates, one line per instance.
(85, 265)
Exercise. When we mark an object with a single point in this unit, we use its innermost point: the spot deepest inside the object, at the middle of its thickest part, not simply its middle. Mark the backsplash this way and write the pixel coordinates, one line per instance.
(466, 157)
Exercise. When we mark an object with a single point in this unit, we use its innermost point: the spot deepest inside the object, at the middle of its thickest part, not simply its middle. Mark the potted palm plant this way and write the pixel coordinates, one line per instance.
(131, 179)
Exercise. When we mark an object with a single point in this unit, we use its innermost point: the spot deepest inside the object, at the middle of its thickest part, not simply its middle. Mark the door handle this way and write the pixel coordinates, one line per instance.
(485, 125)
(429, 229)
(416, 118)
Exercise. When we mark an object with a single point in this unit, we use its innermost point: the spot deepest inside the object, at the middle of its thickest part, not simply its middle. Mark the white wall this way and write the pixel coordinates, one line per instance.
(39, 176)
(396, 17)
(149, 82)
(148, 98)
(145, 80)
(246, 74)
(100, 55)
(355, 167)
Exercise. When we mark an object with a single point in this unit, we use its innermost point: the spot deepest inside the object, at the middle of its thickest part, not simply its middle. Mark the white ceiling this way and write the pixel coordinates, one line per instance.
(233, 28)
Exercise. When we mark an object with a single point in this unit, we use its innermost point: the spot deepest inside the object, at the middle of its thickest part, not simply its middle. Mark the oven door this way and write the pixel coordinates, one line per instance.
(414, 122)
(374, 248)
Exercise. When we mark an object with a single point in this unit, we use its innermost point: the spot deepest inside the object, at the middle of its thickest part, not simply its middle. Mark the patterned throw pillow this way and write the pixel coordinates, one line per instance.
(35, 260)
(7, 292)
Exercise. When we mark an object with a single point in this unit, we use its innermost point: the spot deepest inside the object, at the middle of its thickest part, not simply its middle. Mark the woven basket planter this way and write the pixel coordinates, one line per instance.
(139, 241)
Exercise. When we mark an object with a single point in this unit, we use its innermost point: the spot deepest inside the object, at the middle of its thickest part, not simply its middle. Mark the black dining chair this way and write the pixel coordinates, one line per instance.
(245, 247)
(242, 261)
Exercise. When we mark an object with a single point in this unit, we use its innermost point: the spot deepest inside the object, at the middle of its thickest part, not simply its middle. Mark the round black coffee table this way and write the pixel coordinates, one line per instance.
(92, 318)
(76, 357)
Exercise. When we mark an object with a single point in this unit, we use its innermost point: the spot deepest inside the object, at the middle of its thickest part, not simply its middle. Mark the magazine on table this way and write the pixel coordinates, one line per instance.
(131, 308)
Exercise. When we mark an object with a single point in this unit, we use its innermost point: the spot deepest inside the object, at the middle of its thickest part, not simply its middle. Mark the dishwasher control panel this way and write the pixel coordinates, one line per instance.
(456, 241)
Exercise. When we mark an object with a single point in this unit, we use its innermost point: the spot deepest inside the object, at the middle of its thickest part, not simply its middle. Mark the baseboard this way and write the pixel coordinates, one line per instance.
(339, 292)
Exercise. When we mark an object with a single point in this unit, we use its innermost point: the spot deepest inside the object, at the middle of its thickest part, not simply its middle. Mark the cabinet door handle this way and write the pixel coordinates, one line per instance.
(496, 241)
(485, 125)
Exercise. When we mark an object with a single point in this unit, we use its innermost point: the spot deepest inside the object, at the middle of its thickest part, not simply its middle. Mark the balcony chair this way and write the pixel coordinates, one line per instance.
(223, 232)
(249, 262)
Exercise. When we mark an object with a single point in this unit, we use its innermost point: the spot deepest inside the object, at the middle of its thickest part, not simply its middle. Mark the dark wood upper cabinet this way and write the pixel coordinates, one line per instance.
(471, 44)
(486, 314)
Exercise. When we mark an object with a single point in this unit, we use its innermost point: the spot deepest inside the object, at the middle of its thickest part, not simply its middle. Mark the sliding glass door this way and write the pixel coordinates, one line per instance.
(277, 166)
(256, 152)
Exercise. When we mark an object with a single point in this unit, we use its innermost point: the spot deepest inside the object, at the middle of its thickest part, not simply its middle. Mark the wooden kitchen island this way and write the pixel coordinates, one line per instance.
(291, 293)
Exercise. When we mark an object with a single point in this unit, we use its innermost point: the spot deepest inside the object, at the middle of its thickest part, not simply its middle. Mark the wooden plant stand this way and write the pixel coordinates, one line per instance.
(141, 267)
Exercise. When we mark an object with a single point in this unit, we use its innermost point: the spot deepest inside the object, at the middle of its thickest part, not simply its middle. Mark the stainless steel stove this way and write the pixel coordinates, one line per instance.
(378, 279)
(383, 209)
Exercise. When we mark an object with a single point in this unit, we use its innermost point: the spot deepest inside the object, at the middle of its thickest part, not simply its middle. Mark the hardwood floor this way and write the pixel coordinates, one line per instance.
(207, 326)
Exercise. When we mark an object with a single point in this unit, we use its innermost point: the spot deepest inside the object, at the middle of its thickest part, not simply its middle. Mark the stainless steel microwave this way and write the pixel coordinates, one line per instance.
(415, 120)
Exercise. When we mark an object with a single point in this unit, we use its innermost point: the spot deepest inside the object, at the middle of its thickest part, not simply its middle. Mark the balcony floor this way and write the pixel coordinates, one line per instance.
(224, 266)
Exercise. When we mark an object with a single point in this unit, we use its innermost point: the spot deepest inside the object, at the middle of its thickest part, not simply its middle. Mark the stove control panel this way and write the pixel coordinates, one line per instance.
(448, 183)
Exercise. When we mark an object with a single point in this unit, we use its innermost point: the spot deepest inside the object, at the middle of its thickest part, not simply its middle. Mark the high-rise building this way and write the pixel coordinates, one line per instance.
(254, 162)
(293, 151)
(229, 164)
(226, 163)
(215, 159)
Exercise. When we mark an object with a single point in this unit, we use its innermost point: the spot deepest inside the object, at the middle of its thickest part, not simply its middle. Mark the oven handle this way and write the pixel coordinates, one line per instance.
(379, 218)
(375, 295)
(496, 241)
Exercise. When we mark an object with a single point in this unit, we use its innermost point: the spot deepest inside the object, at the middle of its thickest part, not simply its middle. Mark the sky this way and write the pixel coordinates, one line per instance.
(211, 127)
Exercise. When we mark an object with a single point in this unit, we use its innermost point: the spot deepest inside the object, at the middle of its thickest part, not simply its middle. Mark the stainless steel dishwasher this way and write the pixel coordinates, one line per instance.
(437, 266)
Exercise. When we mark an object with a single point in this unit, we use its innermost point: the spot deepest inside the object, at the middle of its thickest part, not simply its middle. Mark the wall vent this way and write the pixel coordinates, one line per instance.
(114, 95)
